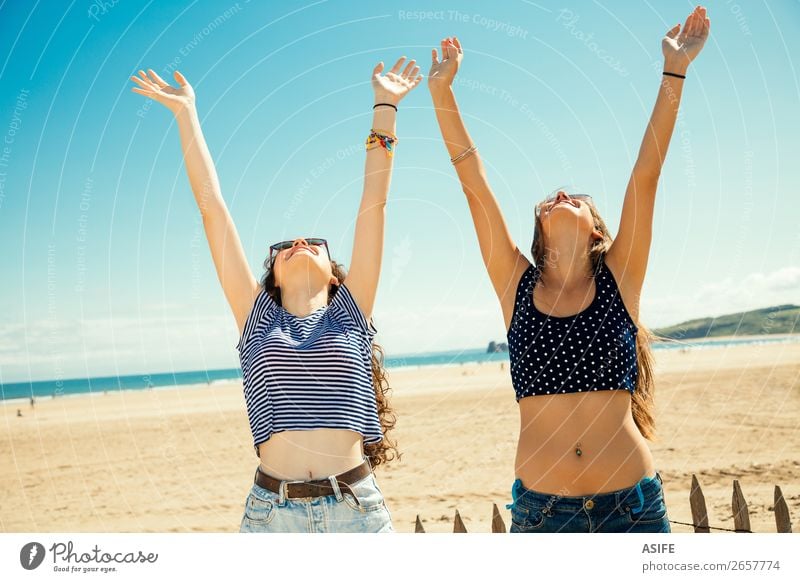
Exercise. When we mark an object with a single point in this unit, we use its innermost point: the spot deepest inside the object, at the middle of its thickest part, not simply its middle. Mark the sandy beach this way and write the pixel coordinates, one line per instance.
(181, 460)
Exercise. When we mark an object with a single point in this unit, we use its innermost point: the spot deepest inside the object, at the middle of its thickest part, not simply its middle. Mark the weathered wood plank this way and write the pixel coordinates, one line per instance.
(782, 519)
(697, 502)
(741, 517)
(458, 524)
(498, 525)
(418, 526)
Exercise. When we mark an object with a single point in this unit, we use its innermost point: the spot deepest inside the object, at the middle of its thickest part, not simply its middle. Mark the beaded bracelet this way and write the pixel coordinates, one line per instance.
(382, 138)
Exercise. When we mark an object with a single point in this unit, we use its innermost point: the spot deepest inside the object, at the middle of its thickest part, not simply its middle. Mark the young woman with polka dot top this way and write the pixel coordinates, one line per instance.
(580, 362)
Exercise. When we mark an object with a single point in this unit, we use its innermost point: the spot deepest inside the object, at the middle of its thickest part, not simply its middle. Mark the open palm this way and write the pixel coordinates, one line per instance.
(394, 85)
(682, 46)
(156, 88)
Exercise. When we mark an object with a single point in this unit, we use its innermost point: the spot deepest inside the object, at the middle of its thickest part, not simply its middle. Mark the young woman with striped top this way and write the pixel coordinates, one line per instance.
(313, 380)
(580, 363)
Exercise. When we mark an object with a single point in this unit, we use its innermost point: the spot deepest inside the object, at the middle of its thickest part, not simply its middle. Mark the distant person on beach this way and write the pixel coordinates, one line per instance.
(19, 412)
(314, 383)
(33, 402)
(580, 360)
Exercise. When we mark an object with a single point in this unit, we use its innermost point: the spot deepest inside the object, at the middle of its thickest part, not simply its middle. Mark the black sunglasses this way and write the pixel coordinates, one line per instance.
(287, 244)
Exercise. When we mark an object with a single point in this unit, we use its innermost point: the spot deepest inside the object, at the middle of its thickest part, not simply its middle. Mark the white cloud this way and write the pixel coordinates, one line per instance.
(731, 295)
(58, 349)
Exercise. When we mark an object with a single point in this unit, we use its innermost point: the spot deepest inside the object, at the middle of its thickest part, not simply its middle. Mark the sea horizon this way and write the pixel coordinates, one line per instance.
(24, 391)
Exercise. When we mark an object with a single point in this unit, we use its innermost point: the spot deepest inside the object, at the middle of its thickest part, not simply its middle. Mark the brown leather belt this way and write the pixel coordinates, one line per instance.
(316, 487)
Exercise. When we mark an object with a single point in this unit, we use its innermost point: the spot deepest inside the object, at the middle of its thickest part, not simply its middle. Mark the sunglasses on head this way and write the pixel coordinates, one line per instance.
(287, 244)
(551, 199)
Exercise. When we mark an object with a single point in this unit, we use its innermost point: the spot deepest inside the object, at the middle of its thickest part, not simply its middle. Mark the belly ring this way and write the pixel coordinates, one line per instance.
(578, 450)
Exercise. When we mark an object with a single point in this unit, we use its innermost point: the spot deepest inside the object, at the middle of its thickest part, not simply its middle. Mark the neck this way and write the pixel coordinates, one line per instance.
(302, 299)
(567, 265)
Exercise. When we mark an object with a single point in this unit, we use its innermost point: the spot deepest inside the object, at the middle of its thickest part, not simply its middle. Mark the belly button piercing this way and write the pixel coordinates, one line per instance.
(578, 450)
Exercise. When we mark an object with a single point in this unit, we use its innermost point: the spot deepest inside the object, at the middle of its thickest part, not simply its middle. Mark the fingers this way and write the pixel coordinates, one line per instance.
(142, 91)
(696, 21)
(450, 49)
(158, 80)
(144, 83)
(396, 68)
(378, 68)
(434, 57)
(409, 68)
(673, 32)
(180, 78)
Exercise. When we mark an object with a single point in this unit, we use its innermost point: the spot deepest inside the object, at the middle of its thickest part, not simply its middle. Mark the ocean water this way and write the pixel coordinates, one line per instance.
(58, 388)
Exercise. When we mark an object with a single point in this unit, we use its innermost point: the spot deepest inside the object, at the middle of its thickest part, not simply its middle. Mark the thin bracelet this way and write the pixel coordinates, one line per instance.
(464, 154)
(674, 75)
(389, 104)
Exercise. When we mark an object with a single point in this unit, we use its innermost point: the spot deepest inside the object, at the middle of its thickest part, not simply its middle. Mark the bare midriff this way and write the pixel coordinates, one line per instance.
(310, 454)
(613, 453)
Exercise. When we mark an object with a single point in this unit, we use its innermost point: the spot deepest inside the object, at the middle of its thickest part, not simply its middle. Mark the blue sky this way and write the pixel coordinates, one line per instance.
(106, 268)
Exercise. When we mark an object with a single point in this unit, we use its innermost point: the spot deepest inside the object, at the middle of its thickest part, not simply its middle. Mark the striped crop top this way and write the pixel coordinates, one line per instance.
(302, 373)
(591, 350)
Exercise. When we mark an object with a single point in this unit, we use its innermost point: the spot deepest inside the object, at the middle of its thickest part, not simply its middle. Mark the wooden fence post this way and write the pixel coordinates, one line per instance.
(782, 520)
(741, 518)
(697, 502)
(498, 525)
(458, 525)
(418, 526)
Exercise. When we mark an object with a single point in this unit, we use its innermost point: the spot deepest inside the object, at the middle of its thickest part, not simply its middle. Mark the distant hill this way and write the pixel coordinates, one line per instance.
(770, 320)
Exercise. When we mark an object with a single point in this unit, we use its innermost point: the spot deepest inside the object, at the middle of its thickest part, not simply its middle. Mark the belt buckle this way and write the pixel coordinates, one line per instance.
(285, 485)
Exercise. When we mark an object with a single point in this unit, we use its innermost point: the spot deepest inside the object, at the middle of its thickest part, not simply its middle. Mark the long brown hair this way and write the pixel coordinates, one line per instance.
(642, 399)
(386, 449)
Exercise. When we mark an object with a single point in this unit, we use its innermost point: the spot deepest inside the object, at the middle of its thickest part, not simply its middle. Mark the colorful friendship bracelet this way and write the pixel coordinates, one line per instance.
(382, 138)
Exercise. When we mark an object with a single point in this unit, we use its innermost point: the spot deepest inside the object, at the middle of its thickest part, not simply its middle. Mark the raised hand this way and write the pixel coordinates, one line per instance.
(443, 72)
(680, 47)
(153, 86)
(394, 85)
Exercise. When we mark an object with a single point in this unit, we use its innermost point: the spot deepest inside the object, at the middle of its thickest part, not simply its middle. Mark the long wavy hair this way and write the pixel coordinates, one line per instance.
(386, 449)
(642, 400)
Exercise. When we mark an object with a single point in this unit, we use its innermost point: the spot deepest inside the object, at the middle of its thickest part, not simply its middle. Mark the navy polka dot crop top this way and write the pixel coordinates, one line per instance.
(591, 350)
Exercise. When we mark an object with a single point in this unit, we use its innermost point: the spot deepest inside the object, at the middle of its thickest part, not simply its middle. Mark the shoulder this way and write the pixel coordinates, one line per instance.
(613, 275)
(262, 304)
(344, 302)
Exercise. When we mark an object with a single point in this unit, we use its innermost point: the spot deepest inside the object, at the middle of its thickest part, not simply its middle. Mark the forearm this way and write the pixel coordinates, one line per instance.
(659, 130)
(199, 165)
(378, 165)
(470, 169)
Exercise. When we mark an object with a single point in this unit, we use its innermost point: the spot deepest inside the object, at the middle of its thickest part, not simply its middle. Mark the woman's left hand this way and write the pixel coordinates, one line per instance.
(394, 85)
(680, 47)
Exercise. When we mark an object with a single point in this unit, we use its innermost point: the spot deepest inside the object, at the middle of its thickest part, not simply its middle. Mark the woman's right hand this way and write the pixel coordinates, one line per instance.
(174, 99)
(443, 72)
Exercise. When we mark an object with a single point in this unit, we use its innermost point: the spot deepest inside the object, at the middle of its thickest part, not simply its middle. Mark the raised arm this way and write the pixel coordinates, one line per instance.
(238, 283)
(365, 264)
(629, 252)
(503, 260)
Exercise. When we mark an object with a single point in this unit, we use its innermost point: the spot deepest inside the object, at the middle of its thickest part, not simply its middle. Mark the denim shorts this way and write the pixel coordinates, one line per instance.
(636, 509)
(267, 511)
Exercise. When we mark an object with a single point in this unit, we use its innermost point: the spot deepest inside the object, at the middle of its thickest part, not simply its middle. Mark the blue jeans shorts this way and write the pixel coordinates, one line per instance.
(636, 509)
(267, 511)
